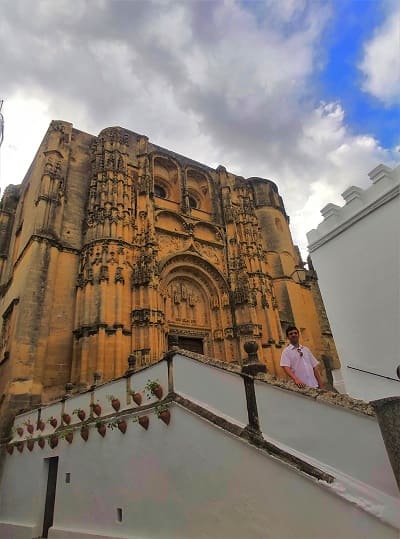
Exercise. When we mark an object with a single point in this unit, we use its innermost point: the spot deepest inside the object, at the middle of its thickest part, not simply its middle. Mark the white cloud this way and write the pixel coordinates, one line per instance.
(381, 61)
(220, 82)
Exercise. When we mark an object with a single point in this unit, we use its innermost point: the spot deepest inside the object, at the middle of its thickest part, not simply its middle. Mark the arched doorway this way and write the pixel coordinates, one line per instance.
(196, 306)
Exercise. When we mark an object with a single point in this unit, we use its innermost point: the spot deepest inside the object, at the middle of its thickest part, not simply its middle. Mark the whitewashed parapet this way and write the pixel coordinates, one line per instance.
(213, 388)
(100, 404)
(358, 203)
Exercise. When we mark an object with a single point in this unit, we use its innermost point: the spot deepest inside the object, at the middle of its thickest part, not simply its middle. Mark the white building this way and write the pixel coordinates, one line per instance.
(356, 253)
(271, 462)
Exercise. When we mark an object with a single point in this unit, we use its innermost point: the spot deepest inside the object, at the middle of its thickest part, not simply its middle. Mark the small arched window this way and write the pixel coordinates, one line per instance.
(160, 192)
(193, 203)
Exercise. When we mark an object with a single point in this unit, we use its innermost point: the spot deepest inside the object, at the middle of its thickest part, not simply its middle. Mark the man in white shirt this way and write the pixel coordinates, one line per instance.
(299, 363)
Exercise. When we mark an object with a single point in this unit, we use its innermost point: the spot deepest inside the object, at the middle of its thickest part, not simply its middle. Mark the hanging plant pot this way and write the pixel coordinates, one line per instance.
(30, 428)
(102, 429)
(82, 415)
(115, 403)
(165, 415)
(122, 426)
(53, 422)
(96, 409)
(53, 441)
(66, 418)
(137, 398)
(41, 443)
(10, 449)
(144, 421)
(85, 433)
(20, 431)
(20, 446)
(69, 437)
(30, 444)
(41, 426)
(157, 391)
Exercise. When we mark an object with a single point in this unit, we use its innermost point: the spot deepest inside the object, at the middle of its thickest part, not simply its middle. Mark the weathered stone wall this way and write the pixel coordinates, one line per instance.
(112, 245)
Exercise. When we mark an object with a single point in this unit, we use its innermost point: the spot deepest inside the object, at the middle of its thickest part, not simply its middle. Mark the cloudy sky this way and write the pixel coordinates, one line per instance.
(306, 93)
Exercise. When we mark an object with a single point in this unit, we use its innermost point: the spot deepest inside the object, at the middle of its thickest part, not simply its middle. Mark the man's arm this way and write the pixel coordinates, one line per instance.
(318, 377)
(291, 374)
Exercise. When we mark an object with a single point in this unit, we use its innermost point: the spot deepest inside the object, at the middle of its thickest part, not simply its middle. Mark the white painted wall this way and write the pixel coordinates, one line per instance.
(192, 479)
(358, 265)
(211, 387)
(342, 439)
(187, 480)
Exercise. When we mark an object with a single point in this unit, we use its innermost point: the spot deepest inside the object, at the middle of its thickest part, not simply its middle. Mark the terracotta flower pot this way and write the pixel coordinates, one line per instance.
(158, 392)
(165, 416)
(20, 446)
(85, 433)
(69, 437)
(66, 418)
(41, 425)
(137, 398)
(53, 441)
(144, 421)
(10, 449)
(96, 409)
(30, 444)
(20, 431)
(102, 430)
(122, 425)
(53, 422)
(41, 443)
(115, 403)
(30, 428)
(82, 415)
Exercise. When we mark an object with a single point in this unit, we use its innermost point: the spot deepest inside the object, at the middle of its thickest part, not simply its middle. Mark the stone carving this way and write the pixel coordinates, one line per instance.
(186, 303)
(147, 317)
(170, 244)
(213, 254)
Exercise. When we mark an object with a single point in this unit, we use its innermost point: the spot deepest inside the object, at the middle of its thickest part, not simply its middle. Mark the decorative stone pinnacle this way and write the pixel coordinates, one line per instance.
(251, 365)
(131, 362)
(96, 377)
(173, 342)
(251, 348)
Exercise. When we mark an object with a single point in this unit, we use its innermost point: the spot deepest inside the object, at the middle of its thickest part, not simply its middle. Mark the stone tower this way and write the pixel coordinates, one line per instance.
(111, 245)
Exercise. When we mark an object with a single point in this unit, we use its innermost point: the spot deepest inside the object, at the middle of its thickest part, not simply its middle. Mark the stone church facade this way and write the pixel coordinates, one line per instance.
(111, 245)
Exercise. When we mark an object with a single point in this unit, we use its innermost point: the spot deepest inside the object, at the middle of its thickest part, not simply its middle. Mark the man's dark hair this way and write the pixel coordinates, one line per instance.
(291, 328)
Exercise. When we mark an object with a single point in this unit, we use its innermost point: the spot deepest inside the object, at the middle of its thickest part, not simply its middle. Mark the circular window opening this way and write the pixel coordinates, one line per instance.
(160, 191)
(192, 202)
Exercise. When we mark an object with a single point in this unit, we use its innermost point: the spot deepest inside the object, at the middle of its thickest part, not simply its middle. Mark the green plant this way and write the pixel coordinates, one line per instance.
(153, 387)
(159, 408)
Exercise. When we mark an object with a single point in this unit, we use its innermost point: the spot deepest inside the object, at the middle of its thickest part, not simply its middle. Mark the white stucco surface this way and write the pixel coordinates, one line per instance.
(194, 479)
(356, 253)
(333, 435)
(168, 486)
(219, 390)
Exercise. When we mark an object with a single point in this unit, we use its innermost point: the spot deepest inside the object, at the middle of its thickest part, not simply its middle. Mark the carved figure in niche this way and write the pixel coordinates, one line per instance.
(186, 304)
(119, 278)
(110, 162)
(103, 273)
